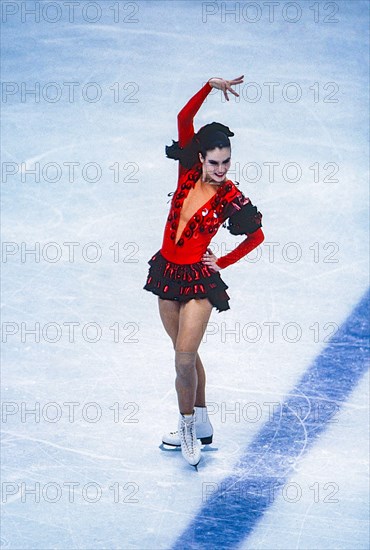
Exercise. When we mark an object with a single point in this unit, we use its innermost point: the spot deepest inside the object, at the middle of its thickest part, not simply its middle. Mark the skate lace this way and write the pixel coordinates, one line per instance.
(187, 431)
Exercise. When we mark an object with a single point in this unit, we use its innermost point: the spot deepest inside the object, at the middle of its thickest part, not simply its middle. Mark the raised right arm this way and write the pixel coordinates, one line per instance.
(186, 116)
(187, 113)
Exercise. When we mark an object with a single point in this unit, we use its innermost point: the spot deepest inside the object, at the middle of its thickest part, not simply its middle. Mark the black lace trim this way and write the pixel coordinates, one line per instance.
(243, 217)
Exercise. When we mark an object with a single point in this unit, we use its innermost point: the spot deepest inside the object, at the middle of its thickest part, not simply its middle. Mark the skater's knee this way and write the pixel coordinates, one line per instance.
(183, 356)
(185, 361)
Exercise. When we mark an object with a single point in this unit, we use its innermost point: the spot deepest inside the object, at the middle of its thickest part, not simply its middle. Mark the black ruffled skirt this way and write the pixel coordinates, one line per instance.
(183, 282)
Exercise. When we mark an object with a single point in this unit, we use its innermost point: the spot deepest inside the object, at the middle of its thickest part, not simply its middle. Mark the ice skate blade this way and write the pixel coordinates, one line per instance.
(169, 448)
(194, 465)
(204, 441)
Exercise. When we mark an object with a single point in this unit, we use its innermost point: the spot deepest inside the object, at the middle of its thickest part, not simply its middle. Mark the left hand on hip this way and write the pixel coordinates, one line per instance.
(210, 260)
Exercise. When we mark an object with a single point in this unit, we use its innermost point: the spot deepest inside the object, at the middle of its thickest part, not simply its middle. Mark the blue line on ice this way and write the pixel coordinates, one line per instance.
(233, 509)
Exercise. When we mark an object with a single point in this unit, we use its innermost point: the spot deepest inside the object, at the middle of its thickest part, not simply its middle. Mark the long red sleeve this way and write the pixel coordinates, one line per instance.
(250, 243)
(187, 114)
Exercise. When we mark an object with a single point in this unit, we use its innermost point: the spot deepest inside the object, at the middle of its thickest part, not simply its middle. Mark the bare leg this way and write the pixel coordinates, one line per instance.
(169, 311)
(200, 399)
(193, 319)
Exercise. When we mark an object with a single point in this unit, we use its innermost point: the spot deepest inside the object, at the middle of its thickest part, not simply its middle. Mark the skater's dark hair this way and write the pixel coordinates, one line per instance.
(206, 139)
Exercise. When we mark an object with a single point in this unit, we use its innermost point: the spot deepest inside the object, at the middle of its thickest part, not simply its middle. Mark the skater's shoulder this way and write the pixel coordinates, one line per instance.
(232, 189)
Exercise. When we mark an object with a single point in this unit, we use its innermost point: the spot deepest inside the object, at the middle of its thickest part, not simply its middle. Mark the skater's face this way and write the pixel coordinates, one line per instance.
(216, 164)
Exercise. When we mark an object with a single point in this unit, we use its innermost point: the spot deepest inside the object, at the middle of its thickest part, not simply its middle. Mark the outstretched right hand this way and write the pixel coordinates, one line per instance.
(225, 85)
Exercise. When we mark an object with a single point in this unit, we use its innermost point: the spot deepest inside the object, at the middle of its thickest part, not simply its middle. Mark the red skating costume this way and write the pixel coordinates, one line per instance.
(176, 271)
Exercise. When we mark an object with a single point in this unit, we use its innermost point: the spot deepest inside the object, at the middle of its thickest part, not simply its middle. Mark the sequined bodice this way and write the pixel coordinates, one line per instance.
(201, 227)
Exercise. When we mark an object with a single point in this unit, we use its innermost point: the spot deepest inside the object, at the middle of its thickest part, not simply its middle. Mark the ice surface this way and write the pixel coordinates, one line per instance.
(167, 55)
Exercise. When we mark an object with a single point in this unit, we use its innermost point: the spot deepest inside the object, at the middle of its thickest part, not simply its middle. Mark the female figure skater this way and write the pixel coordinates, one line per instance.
(184, 273)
